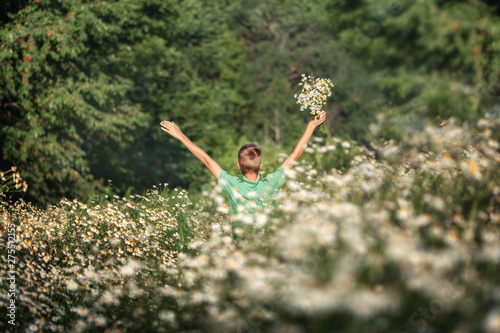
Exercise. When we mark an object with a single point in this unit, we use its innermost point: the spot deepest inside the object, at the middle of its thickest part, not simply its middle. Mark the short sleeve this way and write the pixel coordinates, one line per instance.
(227, 182)
(277, 178)
(224, 181)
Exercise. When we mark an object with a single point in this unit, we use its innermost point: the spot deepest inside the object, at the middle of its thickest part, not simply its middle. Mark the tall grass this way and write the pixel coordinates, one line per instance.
(397, 238)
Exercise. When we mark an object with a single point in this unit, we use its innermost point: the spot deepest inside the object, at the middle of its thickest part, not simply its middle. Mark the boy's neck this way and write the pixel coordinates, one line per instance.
(251, 176)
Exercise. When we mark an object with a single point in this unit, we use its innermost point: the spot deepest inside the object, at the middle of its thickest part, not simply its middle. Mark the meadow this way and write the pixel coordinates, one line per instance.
(403, 238)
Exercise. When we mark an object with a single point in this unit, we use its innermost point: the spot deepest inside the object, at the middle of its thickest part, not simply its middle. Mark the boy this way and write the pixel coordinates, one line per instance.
(248, 191)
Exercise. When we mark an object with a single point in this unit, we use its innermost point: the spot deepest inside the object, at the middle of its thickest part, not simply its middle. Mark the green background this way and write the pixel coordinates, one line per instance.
(85, 84)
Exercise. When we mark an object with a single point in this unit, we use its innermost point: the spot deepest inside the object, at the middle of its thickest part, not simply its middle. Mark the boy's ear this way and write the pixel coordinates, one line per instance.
(239, 166)
(260, 168)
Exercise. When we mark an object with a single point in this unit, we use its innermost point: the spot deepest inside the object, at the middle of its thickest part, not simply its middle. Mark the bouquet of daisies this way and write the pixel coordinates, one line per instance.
(314, 93)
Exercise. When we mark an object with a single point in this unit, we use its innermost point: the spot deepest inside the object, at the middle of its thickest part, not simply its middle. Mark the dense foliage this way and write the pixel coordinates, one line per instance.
(84, 84)
(431, 59)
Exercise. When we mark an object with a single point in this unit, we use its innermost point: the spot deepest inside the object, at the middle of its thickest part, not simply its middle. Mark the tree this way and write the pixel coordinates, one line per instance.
(283, 40)
(432, 59)
(63, 94)
(184, 71)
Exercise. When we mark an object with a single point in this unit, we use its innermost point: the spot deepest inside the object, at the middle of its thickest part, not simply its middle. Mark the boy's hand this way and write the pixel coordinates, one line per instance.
(175, 131)
(299, 149)
(172, 129)
(318, 119)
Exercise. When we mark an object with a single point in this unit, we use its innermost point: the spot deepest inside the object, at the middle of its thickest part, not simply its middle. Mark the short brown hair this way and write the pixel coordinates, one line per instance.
(250, 158)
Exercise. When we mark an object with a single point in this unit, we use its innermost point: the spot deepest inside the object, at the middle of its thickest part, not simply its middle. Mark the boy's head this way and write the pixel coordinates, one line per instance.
(250, 159)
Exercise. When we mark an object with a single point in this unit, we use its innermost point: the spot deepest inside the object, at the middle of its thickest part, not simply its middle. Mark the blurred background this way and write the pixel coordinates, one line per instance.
(85, 84)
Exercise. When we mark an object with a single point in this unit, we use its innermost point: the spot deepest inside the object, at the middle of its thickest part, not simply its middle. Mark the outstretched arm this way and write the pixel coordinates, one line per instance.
(175, 131)
(301, 145)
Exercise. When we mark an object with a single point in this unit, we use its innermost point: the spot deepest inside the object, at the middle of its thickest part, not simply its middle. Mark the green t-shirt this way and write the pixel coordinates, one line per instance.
(252, 196)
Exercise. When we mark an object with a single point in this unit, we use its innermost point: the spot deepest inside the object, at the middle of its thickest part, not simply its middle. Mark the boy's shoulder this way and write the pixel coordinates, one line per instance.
(227, 180)
(279, 172)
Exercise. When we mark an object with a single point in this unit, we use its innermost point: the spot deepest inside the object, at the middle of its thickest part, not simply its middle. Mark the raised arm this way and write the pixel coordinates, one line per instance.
(302, 144)
(175, 131)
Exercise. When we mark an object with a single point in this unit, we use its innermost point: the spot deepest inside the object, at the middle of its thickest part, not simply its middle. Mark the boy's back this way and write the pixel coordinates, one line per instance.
(251, 195)
(247, 189)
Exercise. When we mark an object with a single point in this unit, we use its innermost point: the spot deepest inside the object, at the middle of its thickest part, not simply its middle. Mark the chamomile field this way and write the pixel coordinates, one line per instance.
(406, 238)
